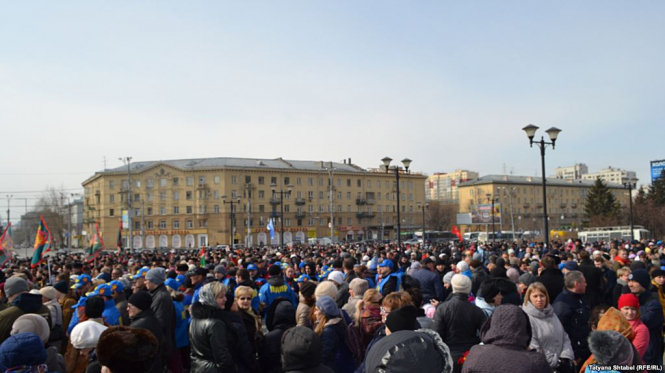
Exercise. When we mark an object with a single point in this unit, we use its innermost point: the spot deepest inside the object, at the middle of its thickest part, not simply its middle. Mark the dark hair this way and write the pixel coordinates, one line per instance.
(548, 262)
(475, 263)
(596, 314)
(243, 274)
(417, 297)
(348, 264)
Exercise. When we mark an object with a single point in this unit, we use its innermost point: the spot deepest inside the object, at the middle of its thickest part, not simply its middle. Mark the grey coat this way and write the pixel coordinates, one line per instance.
(548, 336)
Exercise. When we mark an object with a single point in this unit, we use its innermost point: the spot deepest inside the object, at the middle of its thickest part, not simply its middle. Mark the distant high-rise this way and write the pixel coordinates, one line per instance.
(443, 187)
(572, 172)
(612, 175)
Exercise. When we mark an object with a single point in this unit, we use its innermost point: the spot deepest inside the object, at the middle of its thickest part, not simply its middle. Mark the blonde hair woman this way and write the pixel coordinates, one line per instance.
(547, 333)
(242, 306)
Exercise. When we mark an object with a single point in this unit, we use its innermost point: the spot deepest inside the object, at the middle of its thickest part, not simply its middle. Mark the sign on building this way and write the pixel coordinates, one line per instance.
(482, 214)
(657, 168)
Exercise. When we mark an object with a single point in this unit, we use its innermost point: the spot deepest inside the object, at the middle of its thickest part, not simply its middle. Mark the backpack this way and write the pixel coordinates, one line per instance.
(354, 341)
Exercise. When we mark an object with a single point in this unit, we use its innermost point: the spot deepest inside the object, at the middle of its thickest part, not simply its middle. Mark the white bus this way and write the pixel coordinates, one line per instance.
(613, 233)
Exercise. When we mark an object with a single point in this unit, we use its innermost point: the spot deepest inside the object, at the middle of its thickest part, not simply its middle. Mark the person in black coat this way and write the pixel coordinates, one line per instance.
(143, 317)
(280, 317)
(594, 278)
(551, 277)
(574, 314)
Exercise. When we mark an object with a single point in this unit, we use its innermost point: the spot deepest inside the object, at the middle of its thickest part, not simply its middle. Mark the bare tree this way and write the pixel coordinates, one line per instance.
(441, 216)
(52, 207)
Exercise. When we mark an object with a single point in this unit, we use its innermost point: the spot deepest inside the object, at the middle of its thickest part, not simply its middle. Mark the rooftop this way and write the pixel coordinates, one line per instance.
(532, 180)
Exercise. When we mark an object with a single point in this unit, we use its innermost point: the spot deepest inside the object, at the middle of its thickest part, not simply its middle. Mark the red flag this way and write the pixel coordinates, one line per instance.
(457, 233)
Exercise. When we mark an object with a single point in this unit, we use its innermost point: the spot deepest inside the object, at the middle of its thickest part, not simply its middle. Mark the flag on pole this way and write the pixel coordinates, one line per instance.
(203, 256)
(457, 233)
(42, 243)
(119, 243)
(6, 245)
(96, 245)
(271, 228)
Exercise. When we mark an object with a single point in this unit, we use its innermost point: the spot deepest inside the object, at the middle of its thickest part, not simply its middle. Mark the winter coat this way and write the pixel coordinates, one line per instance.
(279, 318)
(574, 315)
(22, 349)
(478, 276)
(66, 304)
(350, 306)
(301, 352)
(548, 336)
(652, 316)
(457, 321)
(181, 323)
(147, 320)
(484, 306)
(218, 341)
(430, 285)
(24, 303)
(641, 340)
(659, 292)
(342, 295)
(421, 350)
(162, 306)
(275, 288)
(336, 354)
(506, 336)
(121, 306)
(302, 315)
(595, 283)
(553, 281)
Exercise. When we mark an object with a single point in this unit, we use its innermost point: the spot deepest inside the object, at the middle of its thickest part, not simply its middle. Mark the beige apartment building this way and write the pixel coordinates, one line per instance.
(195, 202)
(523, 196)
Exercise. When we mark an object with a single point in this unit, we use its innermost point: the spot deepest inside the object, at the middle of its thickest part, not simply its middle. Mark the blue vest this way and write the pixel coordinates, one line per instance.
(181, 325)
(380, 284)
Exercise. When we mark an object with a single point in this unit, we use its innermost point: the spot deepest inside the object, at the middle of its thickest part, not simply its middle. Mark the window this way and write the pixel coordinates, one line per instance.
(162, 196)
(262, 194)
(189, 224)
(287, 208)
(339, 208)
(248, 179)
(137, 197)
(349, 221)
(234, 180)
(262, 180)
(111, 184)
(311, 222)
(216, 194)
(339, 182)
(175, 181)
(378, 183)
(162, 183)
(176, 224)
(310, 181)
(162, 224)
(188, 209)
(112, 198)
(273, 180)
(216, 209)
(234, 194)
(410, 184)
(299, 181)
(176, 196)
(137, 212)
(320, 181)
(111, 212)
(137, 225)
(262, 208)
(149, 196)
(162, 210)
(310, 195)
(149, 223)
(348, 208)
(176, 210)
(190, 181)
(359, 183)
(149, 210)
(215, 180)
(287, 180)
(310, 208)
(202, 180)
(188, 195)
(348, 183)
(287, 222)
(348, 195)
(369, 183)
(149, 183)
(320, 195)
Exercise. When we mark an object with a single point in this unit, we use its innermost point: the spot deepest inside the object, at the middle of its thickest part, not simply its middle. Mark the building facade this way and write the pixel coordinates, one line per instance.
(444, 187)
(572, 172)
(612, 175)
(195, 202)
(520, 201)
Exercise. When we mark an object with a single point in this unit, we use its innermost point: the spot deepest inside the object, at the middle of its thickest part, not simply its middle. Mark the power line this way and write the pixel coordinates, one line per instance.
(40, 191)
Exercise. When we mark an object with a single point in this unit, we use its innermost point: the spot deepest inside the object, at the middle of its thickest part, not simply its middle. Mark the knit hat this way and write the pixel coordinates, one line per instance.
(32, 323)
(86, 334)
(657, 272)
(527, 279)
(141, 300)
(327, 305)
(610, 347)
(274, 270)
(359, 286)
(571, 266)
(48, 292)
(628, 300)
(220, 269)
(127, 350)
(403, 318)
(326, 288)
(488, 290)
(462, 266)
(639, 275)
(94, 307)
(15, 285)
(336, 276)
(156, 275)
(301, 349)
(307, 289)
(448, 277)
(461, 284)
(513, 274)
(62, 287)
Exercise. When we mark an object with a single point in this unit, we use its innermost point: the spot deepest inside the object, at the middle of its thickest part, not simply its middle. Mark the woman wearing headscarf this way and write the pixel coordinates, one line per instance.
(548, 336)
(218, 339)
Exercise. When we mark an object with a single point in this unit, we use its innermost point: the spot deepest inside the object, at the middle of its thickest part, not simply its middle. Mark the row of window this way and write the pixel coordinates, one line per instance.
(189, 224)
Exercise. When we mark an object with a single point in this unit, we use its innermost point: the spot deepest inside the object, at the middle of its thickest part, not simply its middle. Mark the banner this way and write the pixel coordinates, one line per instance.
(6, 245)
(482, 214)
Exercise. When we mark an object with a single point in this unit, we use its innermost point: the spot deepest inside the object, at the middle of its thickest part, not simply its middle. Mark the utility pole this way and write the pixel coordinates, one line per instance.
(142, 222)
(9, 198)
(128, 161)
(331, 170)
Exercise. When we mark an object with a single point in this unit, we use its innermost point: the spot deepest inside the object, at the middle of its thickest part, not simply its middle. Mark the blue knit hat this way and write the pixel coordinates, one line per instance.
(327, 305)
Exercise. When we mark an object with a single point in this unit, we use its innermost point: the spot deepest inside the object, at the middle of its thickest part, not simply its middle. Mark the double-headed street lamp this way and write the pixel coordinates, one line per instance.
(629, 184)
(234, 202)
(274, 202)
(491, 198)
(553, 133)
(386, 163)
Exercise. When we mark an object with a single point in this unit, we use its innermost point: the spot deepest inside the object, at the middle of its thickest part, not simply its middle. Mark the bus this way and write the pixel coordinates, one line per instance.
(436, 236)
(613, 233)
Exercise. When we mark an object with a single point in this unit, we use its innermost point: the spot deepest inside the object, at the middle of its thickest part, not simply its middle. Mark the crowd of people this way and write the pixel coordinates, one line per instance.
(493, 307)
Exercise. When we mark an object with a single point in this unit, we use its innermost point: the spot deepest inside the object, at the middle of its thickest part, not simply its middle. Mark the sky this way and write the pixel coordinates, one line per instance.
(448, 84)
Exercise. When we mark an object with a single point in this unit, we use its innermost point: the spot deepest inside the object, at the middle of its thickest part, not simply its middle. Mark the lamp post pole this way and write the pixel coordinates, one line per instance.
(423, 207)
(233, 202)
(386, 163)
(281, 193)
(128, 162)
(491, 197)
(629, 185)
(331, 171)
(9, 199)
(553, 133)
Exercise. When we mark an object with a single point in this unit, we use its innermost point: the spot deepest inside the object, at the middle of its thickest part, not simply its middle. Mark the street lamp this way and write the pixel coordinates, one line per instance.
(553, 133)
(331, 190)
(629, 184)
(274, 202)
(492, 199)
(234, 201)
(386, 163)
(128, 161)
(509, 192)
(423, 207)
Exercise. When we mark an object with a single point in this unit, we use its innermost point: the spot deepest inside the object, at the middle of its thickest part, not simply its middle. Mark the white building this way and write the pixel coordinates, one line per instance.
(572, 172)
(612, 175)
(443, 187)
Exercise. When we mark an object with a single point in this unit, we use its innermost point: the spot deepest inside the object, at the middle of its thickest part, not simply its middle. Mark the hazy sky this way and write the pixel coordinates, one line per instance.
(449, 84)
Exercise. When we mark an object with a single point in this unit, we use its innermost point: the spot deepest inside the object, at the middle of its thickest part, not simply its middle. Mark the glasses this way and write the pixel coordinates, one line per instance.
(384, 312)
(245, 298)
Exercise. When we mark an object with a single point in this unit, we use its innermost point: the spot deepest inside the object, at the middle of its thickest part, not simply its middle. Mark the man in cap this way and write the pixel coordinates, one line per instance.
(651, 314)
(198, 278)
(139, 280)
(120, 300)
(21, 302)
(82, 285)
(162, 305)
(387, 281)
(275, 288)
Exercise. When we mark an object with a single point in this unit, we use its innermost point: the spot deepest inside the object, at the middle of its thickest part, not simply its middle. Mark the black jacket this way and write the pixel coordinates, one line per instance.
(595, 283)
(458, 321)
(147, 320)
(573, 312)
(162, 306)
(301, 351)
(478, 276)
(553, 281)
(280, 317)
(421, 350)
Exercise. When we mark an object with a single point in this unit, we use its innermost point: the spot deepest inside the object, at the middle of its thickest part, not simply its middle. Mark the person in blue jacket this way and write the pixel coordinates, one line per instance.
(111, 314)
(182, 320)
(276, 287)
(386, 280)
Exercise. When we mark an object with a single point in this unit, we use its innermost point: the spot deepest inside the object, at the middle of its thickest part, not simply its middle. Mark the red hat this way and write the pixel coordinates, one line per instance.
(628, 300)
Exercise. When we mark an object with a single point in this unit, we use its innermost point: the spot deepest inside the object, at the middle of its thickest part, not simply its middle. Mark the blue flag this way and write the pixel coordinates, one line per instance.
(271, 228)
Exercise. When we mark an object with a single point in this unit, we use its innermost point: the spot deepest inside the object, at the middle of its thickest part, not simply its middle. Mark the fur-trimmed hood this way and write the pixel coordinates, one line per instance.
(202, 311)
(610, 347)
